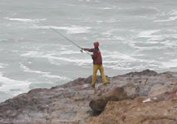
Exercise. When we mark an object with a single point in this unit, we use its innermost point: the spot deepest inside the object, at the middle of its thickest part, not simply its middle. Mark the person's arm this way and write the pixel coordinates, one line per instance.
(88, 49)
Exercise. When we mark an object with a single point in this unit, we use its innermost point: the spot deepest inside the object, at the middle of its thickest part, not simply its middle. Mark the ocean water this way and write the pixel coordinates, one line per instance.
(133, 34)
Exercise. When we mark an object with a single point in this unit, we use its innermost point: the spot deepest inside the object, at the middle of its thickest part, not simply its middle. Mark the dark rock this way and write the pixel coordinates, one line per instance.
(98, 104)
(146, 72)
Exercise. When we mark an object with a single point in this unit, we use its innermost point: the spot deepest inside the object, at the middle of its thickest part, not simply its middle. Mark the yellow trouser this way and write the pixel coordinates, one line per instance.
(95, 70)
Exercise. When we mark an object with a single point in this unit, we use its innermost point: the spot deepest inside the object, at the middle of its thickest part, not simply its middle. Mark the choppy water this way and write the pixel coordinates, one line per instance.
(134, 35)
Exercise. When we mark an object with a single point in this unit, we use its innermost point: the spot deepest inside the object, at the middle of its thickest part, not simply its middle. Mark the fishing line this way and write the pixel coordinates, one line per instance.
(65, 37)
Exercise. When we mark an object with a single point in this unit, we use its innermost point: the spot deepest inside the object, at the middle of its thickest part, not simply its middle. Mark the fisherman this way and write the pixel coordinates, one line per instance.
(97, 64)
(96, 56)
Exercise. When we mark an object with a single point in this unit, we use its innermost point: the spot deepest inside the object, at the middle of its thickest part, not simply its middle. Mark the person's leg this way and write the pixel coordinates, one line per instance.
(104, 79)
(94, 76)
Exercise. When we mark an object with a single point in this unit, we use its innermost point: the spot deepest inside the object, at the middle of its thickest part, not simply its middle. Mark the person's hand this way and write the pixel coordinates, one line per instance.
(82, 50)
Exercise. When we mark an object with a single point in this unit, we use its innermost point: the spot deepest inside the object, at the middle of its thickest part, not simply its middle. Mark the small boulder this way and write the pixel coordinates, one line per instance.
(98, 104)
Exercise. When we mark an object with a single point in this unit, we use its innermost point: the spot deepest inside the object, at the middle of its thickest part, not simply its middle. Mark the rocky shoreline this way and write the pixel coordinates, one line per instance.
(145, 97)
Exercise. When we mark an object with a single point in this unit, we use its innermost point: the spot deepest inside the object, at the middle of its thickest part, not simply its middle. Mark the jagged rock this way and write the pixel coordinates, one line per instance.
(71, 102)
(146, 72)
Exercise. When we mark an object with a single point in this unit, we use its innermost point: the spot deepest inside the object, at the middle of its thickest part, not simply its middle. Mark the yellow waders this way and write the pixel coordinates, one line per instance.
(94, 77)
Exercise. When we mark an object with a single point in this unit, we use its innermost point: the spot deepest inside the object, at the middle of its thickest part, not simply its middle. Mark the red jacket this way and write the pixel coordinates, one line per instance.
(96, 56)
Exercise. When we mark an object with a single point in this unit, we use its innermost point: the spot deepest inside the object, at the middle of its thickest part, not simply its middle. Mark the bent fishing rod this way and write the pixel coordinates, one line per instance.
(69, 40)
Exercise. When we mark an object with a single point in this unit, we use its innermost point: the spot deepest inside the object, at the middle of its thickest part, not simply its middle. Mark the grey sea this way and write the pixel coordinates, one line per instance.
(134, 35)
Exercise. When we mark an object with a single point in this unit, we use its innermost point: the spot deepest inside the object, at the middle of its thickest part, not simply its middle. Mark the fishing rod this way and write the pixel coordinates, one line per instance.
(69, 40)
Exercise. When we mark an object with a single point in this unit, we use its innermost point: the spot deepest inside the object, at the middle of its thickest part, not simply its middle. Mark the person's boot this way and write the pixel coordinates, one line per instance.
(93, 85)
(106, 83)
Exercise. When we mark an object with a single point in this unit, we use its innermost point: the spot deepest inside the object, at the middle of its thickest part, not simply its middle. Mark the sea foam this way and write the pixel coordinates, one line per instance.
(43, 74)
(24, 19)
(11, 85)
(70, 29)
